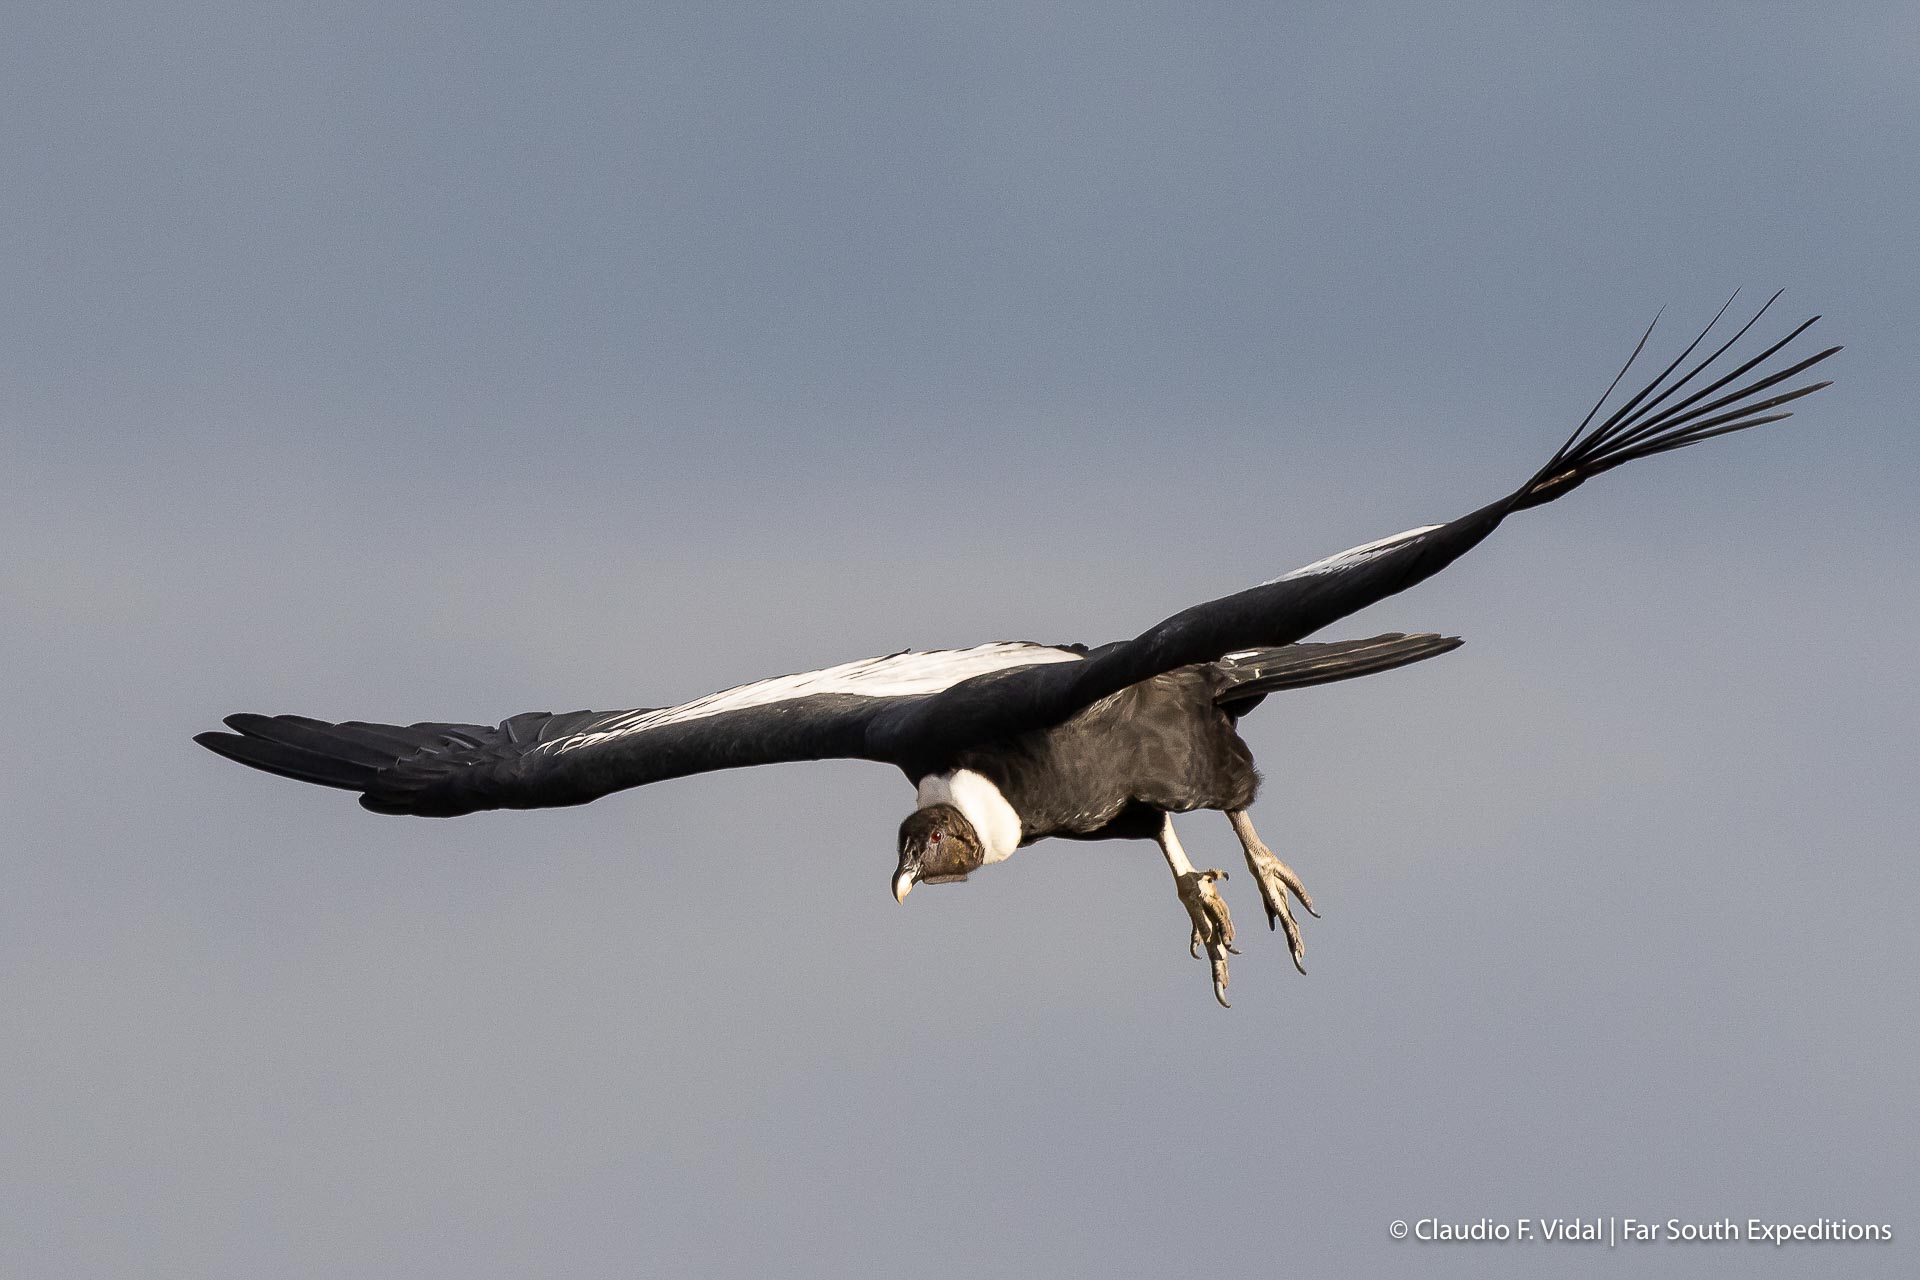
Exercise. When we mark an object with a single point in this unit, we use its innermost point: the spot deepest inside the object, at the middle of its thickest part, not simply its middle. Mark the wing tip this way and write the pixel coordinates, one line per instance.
(258, 745)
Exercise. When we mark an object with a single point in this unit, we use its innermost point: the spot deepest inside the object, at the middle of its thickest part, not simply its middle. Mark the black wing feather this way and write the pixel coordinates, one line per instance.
(442, 770)
(290, 762)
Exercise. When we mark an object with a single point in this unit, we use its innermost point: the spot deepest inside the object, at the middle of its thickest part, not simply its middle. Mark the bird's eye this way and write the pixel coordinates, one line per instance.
(935, 837)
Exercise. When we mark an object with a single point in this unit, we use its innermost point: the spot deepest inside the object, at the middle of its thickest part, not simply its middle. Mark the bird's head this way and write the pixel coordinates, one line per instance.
(937, 845)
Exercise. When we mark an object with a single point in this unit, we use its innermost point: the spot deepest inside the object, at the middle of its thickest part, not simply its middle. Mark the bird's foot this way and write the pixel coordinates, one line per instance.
(1276, 879)
(1212, 926)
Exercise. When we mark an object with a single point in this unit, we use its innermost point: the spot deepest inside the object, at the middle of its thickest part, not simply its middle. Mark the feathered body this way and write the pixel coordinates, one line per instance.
(1110, 773)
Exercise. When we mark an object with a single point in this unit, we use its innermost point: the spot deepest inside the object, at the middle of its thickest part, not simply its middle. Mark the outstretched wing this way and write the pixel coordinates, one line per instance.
(541, 759)
(1290, 608)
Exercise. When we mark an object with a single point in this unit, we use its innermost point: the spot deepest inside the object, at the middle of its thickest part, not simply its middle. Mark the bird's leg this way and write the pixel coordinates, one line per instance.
(1212, 927)
(1275, 879)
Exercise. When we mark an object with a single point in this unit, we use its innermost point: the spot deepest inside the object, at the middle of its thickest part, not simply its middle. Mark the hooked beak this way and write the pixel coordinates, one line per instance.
(903, 884)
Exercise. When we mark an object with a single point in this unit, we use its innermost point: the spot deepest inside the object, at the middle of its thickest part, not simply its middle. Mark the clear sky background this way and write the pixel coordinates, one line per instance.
(449, 361)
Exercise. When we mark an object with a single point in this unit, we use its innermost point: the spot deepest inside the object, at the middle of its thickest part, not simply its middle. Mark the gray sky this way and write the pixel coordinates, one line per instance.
(453, 361)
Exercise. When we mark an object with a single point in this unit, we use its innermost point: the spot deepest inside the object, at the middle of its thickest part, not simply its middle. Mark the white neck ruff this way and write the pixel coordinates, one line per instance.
(981, 804)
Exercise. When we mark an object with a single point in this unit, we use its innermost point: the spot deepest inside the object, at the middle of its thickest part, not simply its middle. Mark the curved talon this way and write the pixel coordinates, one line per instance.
(1276, 880)
(1296, 947)
(1292, 882)
(1212, 925)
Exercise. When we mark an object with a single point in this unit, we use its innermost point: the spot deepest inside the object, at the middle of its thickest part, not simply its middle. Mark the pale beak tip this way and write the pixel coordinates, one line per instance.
(902, 886)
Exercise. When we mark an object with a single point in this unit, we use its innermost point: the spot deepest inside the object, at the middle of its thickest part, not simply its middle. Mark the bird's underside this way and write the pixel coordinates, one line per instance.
(1120, 770)
(1013, 742)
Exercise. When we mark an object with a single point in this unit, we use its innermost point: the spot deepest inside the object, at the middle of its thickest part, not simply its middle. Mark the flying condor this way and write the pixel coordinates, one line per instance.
(1011, 743)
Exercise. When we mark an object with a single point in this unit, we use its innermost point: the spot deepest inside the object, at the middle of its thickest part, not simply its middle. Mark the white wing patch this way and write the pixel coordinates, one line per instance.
(897, 675)
(1353, 556)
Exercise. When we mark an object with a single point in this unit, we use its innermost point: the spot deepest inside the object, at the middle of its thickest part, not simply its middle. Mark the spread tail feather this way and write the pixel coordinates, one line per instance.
(1246, 678)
